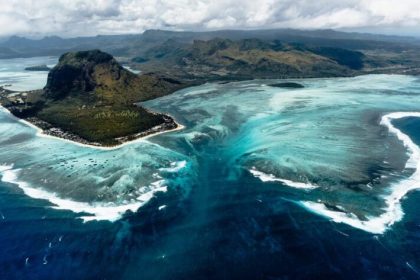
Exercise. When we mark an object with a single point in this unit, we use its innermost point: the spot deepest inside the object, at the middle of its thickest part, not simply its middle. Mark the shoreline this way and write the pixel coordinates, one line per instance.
(393, 211)
(40, 133)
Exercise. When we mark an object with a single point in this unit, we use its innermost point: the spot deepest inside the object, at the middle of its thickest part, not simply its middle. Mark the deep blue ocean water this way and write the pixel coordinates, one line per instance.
(411, 127)
(223, 198)
(225, 232)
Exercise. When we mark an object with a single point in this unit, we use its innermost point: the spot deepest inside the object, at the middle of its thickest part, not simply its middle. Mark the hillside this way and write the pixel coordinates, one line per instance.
(129, 46)
(90, 96)
(248, 59)
(381, 53)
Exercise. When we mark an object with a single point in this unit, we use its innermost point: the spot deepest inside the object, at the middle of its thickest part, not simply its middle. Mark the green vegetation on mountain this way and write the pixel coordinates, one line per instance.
(136, 45)
(249, 58)
(348, 58)
(102, 80)
(357, 52)
(90, 95)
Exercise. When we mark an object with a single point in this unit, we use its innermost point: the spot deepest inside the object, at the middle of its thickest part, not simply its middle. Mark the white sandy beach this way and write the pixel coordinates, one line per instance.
(40, 133)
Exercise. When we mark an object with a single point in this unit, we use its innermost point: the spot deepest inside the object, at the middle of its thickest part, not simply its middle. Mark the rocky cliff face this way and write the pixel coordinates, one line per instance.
(89, 95)
(78, 72)
(99, 74)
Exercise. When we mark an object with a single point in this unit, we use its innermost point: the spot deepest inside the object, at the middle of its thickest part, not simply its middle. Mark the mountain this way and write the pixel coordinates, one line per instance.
(381, 53)
(132, 45)
(218, 59)
(55, 46)
(98, 72)
(90, 96)
(325, 37)
(6, 52)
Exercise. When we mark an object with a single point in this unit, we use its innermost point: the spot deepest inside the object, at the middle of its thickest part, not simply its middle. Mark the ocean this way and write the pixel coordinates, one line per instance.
(263, 183)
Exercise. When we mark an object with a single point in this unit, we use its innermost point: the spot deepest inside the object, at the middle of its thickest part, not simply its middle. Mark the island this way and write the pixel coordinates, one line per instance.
(38, 68)
(287, 85)
(91, 99)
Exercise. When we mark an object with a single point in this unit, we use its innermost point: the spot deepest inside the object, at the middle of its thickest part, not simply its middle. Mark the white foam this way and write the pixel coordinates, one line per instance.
(372, 225)
(393, 211)
(5, 167)
(271, 178)
(132, 70)
(162, 207)
(413, 149)
(94, 211)
(175, 166)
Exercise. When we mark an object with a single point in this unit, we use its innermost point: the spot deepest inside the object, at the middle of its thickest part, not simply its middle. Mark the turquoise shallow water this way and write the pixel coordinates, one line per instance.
(301, 182)
(14, 77)
(326, 141)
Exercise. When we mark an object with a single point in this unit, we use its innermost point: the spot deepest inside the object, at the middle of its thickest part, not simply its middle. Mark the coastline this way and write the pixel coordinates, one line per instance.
(40, 133)
(393, 211)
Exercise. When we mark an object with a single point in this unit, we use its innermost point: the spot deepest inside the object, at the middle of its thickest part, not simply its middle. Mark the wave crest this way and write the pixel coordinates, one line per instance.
(393, 211)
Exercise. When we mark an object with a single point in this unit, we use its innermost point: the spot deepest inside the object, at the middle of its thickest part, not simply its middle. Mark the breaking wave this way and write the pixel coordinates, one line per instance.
(89, 211)
(393, 211)
(271, 178)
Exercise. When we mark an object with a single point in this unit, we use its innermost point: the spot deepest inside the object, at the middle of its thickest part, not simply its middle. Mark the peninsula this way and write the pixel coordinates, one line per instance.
(91, 99)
